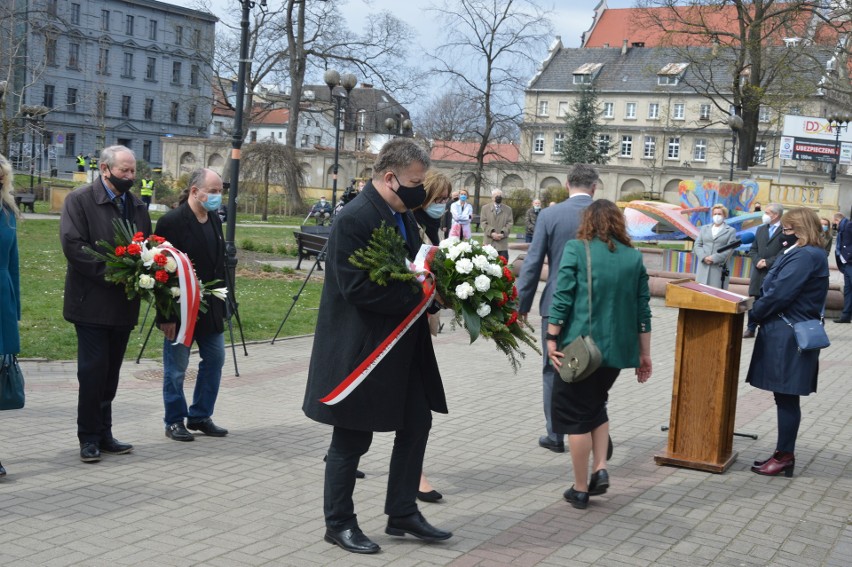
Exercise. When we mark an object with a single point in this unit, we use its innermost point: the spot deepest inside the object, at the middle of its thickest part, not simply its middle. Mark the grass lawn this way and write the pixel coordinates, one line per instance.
(263, 297)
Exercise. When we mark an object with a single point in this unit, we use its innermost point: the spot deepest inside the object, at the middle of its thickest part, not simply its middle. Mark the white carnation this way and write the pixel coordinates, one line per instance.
(464, 266)
(448, 242)
(495, 270)
(490, 251)
(175, 291)
(146, 281)
(480, 262)
(464, 290)
(453, 252)
(483, 310)
(170, 266)
(481, 283)
(465, 247)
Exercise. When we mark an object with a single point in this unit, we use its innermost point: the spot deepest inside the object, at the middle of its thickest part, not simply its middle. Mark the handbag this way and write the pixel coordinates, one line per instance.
(11, 384)
(581, 356)
(810, 334)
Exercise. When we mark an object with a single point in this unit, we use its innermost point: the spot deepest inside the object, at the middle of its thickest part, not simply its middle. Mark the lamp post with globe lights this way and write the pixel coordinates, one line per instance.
(837, 121)
(735, 122)
(334, 80)
(33, 114)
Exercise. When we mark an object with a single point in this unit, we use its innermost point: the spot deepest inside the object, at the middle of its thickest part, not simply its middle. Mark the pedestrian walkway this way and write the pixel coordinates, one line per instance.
(255, 497)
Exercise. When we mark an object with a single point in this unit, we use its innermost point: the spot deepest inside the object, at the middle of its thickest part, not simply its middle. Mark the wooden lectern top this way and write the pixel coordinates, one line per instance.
(688, 294)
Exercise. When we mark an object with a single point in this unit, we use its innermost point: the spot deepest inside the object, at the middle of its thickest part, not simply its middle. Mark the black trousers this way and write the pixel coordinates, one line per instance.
(100, 352)
(406, 464)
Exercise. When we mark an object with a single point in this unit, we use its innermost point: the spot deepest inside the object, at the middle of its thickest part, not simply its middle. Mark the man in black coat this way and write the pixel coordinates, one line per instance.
(100, 311)
(843, 257)
(763, 253)
(400, 391)
(194, 228)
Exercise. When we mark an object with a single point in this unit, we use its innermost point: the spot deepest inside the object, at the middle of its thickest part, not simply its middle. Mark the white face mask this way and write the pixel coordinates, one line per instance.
(765, 218)
(717, 219)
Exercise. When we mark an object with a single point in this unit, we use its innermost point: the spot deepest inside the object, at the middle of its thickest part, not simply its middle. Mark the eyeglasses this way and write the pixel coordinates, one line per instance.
(786, 229)
(442, 200)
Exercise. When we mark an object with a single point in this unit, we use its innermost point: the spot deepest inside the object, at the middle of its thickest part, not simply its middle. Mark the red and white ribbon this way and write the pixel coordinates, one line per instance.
(190, 296)
(363, 370)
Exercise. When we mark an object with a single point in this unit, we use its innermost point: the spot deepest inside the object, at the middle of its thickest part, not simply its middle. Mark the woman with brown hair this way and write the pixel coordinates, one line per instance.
(795, 288)
(620, 325)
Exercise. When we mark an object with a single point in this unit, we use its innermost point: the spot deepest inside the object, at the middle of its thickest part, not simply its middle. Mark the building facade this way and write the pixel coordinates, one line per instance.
(108, 72)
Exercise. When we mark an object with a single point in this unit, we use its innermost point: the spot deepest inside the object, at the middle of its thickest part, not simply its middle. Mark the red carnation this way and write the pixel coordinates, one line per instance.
(138, 237)
(160, 260)
(134, 249)
(120, 250)
(157, 239)
(504, 300)
(513, 318)
(161, 276)
(514, 293)
(507, 274)
(502, 260)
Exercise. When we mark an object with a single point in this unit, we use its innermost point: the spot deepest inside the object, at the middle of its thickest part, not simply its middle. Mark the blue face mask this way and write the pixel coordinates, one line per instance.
(824, 228)
(435, 210)
(463, 198)
(213, 202)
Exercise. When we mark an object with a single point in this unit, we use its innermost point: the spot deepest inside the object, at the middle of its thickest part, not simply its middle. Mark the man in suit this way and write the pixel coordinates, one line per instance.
(556, 225)
(763, 252)
(355, 386)
(100, 311)
(496, 220)
(843, 257)
(194, 228)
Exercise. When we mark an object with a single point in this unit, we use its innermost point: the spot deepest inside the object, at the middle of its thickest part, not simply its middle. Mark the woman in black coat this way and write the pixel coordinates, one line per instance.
(796, 288)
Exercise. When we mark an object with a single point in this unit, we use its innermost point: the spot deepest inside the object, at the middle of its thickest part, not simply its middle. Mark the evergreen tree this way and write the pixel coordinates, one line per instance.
(582, 124)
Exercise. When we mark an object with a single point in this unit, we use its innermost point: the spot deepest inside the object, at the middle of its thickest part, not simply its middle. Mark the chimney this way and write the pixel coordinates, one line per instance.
(624, 47)
(606, 45)
(366, 85)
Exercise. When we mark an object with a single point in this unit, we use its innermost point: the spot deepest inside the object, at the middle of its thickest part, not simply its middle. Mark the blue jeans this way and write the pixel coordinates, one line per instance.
(211, 348)
(846, 269)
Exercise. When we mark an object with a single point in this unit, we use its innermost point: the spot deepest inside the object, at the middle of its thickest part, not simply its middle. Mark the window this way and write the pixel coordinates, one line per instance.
(70, 144)
(603, 144)
(630, 110)
(650, 149)
(71, 99)
(699, 152)
(317, 139)
(74, 55)
(558, 143)
(125, 106)
(760, 152)
(608, 110)
(179, 35)
(151, 69)
(104, 20)
(101, 104)
(149, 109)
(361, 119)
(152, 30)
(190, 118)
(196, 38)
(49, 93)
(103, 61)
(50, 50)
(764, 114)
(304, 141)
(128, 25)
(360, 143)
(673, 148)
(146, 150)
(677, 114)
(51, 7)
(668, 80)
(626, 146)
(128, 65)
(796, 110)
(542, 108)
(126, 142)
(563, 109)
(704, 112)
(174, 112)
(653, 111)
(193, 76)
(582, 79)
(253, 136)
(75, 14)
(176, 73)
(538, 143)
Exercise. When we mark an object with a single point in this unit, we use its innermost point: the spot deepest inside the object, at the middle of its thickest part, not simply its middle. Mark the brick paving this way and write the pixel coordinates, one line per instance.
(255, 497)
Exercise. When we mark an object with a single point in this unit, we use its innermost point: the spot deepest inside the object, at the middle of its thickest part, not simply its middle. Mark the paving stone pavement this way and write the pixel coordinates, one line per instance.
(255, 497)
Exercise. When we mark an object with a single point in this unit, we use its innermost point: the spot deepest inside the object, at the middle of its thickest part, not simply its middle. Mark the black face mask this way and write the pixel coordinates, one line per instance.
(455, 199)
(788, 240)
(498, 200)
(411, 197)
(120, 185)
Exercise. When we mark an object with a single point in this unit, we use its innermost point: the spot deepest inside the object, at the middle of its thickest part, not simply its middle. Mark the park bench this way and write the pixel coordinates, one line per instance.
(26, 201)
(311, 242)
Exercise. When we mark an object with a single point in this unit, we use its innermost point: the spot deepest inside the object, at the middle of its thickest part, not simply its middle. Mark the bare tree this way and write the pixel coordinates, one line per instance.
(491, 50)
(269, 162)
(448, 117)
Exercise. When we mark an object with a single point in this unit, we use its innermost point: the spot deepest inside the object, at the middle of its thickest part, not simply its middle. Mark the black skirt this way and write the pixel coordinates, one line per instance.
(581, 407)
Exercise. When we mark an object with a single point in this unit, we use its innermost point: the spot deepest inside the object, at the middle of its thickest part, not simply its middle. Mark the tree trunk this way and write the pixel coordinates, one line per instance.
(264, 214)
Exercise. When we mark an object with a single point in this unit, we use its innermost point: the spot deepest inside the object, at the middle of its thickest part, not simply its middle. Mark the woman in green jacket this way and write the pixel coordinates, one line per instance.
(621, 327)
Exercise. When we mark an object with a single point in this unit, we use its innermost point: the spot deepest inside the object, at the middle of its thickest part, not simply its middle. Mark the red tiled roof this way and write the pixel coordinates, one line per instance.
(466, 152)
(272, 116)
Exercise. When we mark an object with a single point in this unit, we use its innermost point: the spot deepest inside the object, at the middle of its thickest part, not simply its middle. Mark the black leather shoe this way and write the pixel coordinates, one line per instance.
(577, 499)
(547, 443)
(358, 473)
(352, 540)
(89, 452)
(431, 496)
(207, 427)
(2, 470)
(178, 432)
(599, 483)
(842, 320)
(115, 447)
(416, 525)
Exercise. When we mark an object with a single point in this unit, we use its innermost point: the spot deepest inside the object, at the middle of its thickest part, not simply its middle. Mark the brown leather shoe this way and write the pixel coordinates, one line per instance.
(780, 462)
(749, 334)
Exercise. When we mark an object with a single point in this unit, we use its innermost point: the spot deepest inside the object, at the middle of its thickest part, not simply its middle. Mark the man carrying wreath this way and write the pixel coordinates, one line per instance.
(357, 385)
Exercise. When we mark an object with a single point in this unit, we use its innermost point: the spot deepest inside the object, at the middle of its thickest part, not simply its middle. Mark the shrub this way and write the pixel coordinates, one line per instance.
(520, 200)
(554, 193)
(248, 245)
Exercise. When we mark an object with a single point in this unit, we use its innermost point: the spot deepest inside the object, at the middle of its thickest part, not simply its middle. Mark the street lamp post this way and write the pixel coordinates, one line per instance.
(333, 80)
(32, 113)
(736, 123)
(837, 122)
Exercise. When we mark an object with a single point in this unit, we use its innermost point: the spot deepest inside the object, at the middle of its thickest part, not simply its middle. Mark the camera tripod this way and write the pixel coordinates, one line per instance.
(320, 258)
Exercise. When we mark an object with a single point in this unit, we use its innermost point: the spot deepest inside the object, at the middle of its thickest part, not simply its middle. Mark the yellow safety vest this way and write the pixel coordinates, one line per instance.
(81, 161)
(93, 163)
(147, 188)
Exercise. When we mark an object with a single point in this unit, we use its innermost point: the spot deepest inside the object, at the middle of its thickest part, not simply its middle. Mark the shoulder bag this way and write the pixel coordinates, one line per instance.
(810, 334)
(582, 355)
(11, 384)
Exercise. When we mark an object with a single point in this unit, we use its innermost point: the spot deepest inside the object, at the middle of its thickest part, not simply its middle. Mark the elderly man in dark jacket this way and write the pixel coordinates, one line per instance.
(102, 315)
(398, 392)
(763, 253)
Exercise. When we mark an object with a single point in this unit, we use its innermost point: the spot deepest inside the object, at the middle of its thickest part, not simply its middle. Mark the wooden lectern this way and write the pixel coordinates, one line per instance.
(707, 362)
